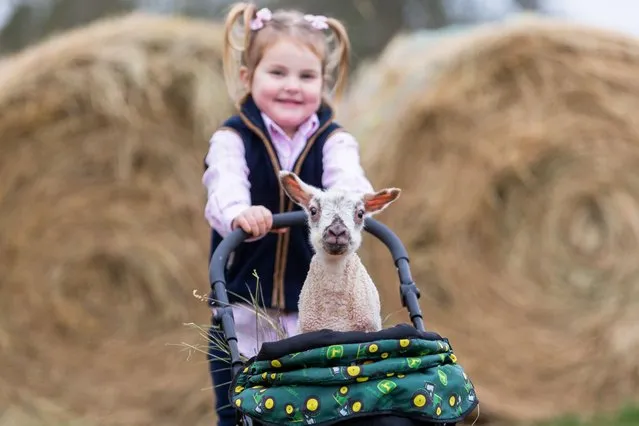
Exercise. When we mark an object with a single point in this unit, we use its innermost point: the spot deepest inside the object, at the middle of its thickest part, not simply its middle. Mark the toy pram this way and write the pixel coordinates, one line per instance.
(398, 376)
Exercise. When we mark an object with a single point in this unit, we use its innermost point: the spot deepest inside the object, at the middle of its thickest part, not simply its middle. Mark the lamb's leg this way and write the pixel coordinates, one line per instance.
(374, 323)
(308, 318)
(302, 317)
(365, 304)
(377, 310)
(365, 322)
(365, 312)
(372, 302)
(373, 307)
(307, 324)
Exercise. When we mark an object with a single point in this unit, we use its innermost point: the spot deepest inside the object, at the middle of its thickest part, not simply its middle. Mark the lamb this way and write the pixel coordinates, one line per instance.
(338, 293)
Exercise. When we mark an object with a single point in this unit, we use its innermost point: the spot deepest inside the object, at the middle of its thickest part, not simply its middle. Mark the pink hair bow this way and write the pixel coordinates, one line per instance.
(317, 21)
(261, 16)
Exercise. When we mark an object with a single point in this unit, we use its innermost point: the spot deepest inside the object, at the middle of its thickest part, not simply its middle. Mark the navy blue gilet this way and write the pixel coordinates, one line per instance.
(281, 261)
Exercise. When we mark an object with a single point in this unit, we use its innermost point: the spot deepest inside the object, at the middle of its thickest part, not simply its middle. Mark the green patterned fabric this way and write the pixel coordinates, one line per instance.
(411, 376)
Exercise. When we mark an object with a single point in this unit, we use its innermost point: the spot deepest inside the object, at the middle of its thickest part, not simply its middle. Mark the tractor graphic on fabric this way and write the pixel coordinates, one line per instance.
(418, 377)
(347, 406)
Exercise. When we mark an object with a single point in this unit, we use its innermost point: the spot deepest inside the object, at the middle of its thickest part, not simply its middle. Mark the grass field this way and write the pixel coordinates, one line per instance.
(628, 416)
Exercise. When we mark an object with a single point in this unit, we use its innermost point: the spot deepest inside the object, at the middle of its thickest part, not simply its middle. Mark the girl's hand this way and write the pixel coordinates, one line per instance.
(256, 220)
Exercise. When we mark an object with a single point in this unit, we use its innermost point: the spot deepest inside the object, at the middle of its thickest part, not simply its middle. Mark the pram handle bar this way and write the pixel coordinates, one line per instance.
(409, 292)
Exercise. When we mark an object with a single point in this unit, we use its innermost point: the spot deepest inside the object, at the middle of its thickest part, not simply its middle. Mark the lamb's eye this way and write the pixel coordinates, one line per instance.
(313, 210)
(360, 214)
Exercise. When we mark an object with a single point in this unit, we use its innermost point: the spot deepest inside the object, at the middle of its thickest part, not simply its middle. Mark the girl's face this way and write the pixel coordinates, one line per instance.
(286, 84)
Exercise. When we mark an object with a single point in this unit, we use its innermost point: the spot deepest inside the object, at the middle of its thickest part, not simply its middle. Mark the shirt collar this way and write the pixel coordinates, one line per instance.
(306, 129)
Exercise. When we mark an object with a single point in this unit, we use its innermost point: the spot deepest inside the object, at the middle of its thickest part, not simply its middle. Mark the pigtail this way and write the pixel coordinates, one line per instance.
(341, 60)
(235, 44)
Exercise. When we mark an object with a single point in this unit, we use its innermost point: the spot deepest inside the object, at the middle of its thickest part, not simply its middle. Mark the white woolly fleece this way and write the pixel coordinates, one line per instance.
(339, 295)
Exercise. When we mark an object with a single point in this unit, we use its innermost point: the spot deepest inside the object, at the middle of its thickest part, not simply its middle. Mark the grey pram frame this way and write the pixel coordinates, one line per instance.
(409, 292)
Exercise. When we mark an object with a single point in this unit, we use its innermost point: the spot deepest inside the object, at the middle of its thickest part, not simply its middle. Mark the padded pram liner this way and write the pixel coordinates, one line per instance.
(325, 377)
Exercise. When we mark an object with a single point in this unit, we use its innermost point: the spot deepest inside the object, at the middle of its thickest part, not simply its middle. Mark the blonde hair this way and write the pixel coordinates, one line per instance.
(244, 46)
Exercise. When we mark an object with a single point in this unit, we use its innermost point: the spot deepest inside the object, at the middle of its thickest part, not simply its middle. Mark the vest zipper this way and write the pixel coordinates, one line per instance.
(280, 237)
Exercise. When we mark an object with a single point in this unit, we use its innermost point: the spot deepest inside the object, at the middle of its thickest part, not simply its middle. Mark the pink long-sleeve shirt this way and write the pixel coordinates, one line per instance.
(226, 178)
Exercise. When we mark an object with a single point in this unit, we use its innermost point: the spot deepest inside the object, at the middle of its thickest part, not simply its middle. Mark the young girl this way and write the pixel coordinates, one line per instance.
(279, 67)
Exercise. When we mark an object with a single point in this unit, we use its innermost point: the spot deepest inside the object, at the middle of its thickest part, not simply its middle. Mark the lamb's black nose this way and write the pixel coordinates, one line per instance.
(337, 230)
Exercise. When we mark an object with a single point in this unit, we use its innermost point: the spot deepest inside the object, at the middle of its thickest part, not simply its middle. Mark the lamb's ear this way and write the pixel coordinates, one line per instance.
(298, 191)
(375, 203)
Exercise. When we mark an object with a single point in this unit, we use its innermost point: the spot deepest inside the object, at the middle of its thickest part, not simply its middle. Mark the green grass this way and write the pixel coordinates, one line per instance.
(627, 416)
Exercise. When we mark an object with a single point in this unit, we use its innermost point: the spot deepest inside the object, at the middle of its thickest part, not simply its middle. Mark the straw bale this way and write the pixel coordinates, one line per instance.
(517, 149)
(381, 84)
(102, 237)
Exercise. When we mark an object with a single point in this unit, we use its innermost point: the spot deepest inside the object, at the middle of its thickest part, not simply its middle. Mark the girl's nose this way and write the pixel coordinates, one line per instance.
(292, 84)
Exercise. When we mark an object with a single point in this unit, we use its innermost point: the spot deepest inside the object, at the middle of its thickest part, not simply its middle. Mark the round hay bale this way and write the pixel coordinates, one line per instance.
(380, 86)
(102, 234)
(518, 157)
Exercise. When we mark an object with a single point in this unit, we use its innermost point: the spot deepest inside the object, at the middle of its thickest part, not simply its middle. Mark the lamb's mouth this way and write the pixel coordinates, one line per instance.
(335, 248)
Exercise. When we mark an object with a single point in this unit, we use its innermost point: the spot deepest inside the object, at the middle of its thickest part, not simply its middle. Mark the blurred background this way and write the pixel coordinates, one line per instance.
(371, 22)
(509, 124)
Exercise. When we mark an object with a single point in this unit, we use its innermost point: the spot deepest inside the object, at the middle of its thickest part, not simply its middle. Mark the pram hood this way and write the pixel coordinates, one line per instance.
(325, 376)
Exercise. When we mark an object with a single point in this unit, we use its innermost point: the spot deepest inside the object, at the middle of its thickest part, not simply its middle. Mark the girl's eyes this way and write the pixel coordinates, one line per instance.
(303, 76)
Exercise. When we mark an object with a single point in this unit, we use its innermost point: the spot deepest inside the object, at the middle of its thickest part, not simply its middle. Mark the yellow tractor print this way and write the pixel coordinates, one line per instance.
(294, 414)
(310, 409)
(347, 406)
(263, 403)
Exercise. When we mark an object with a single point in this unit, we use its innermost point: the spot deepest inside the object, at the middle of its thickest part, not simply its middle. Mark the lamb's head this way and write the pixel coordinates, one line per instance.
(335, 217)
